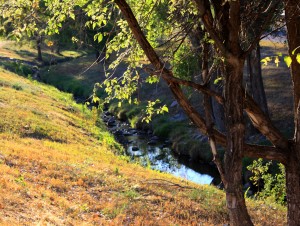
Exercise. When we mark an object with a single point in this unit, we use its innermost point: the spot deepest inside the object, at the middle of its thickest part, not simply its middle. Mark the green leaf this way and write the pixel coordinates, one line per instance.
(298, 58)
(95, 99)
(288, 60)
(293, 52)
(211, 41)
(72, 16)
(276, 61)
(165, 108)
(100, 37)
(152, 79)
(217, 80)
(266, 60)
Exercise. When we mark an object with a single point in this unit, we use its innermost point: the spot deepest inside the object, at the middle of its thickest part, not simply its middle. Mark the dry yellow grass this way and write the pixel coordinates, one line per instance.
(58, 168)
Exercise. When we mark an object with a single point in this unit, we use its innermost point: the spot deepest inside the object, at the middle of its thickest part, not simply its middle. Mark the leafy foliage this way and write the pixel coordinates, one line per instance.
(185, 63)
(274, 184)
(287, 59)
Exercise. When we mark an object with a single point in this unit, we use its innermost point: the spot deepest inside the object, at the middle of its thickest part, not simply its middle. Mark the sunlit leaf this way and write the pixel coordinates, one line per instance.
(165, 108)
(288, 60)
(276, 61)
(152, 79)
(298, 58)
(95, 99)
(293, 52)
(266, 60)
(217, 80)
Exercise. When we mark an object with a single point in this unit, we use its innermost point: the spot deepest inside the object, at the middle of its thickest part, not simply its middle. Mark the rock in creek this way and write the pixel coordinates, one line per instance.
(135, 148)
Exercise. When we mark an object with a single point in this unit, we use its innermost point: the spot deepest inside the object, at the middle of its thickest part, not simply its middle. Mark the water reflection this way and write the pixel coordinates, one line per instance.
(156, 154)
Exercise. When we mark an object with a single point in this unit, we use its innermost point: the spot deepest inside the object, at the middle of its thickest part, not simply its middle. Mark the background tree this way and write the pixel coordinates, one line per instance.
(33, 20)
(26, 20)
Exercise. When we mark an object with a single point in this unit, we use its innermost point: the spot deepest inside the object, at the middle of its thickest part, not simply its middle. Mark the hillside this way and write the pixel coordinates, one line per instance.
(58, 167)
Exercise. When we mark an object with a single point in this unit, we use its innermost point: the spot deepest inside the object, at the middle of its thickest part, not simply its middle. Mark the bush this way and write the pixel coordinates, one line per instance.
(274, 183)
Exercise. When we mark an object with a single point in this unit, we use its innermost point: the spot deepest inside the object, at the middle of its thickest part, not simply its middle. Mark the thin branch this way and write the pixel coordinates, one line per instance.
(262, 28)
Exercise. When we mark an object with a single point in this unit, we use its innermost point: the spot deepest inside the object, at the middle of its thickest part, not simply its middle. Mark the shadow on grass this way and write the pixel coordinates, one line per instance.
(26, 53)
(40, 135)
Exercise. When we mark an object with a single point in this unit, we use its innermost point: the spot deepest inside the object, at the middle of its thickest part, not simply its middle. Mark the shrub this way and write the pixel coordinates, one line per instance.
(274, 183)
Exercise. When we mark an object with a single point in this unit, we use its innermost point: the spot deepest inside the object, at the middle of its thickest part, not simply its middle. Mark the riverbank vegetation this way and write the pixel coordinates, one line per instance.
(57, 167)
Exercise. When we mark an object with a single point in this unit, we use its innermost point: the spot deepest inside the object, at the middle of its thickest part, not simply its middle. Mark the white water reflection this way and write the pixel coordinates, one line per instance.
(162, 159)
(158, 156)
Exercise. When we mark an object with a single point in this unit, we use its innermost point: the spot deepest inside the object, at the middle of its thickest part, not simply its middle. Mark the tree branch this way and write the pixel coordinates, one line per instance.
(262, 28)
(270, 153)
(207, 21)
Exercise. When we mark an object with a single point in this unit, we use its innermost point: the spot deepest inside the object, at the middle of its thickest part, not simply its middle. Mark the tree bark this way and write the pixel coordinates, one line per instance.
(292, 13)
(234, 106)
(235, 145)
(293, 187)
(39, 48)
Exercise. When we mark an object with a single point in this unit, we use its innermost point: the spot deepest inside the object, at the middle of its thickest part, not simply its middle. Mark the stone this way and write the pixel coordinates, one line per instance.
(111, 122)
(135, 148)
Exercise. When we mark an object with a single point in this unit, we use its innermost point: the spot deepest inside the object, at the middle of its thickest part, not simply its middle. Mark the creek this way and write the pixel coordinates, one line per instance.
(155, 153)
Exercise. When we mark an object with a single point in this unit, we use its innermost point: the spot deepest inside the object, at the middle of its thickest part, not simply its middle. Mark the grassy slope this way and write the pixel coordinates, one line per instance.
(27, 52)
(58, 168)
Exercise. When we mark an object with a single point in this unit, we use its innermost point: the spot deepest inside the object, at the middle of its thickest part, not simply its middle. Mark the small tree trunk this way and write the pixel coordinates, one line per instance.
(39, 48)
(57, 50)
(235, 145)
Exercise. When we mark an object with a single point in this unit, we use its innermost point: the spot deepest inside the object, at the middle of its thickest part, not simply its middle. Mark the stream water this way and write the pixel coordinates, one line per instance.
(150, 151)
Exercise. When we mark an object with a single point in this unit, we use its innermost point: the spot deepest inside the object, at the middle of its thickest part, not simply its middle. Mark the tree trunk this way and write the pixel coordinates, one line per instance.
(292, 13)
(293, 188)
(57, 50)
(39, 48)
(235, 144)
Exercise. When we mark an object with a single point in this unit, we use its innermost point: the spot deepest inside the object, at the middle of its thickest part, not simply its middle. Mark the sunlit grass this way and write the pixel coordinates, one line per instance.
(58, 168)
(27, 51)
